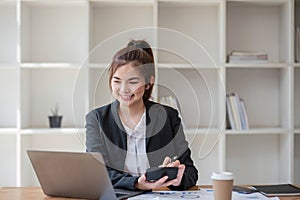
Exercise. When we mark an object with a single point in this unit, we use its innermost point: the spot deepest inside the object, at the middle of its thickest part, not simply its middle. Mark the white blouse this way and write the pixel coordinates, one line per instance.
(136, 161)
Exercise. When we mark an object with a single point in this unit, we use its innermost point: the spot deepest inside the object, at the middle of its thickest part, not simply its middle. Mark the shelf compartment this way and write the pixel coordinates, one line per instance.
(8, 155)
(297, 131)
(42, 89)
(264, 109)
(247, 30)
(107, 38)
(196, 42)
(9, 79)
(49, 141)
(199, 103)
(9, 32)
(297, 98)
(54, 31)
(205, 154)
(252, 160)
(99, 92)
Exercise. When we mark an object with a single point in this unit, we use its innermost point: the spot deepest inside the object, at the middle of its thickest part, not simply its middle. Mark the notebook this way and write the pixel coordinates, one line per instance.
(75, 175)
(278, 190)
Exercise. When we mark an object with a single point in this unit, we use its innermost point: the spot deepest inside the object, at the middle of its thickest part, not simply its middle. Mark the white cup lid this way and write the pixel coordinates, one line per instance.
(222, 176)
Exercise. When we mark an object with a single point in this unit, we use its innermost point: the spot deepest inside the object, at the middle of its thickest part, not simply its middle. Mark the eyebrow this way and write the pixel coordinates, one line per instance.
(130, 79)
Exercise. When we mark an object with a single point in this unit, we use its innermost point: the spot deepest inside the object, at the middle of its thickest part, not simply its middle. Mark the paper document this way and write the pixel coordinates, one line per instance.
(203, 194)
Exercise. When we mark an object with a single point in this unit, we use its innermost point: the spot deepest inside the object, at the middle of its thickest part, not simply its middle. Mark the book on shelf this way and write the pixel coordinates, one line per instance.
(277, 190)
(248, 53)
(236, 112)
(247, 57)
(172, 102)
(229, 115)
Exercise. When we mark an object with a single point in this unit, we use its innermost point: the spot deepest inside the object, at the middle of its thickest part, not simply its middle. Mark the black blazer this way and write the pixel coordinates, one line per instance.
(106, 134)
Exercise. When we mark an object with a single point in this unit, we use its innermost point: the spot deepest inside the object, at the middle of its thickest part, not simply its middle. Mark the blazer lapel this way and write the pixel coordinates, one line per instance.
(156, 117)
(118, 133)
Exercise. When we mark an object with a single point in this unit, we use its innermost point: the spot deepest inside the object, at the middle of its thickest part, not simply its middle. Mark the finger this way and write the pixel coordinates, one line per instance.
(180, 172)
(162, 182)
(177, 180)
(168, 183)
(142, 184)
(181, 169)
(142, 178)
(176, 163)
(167, 160)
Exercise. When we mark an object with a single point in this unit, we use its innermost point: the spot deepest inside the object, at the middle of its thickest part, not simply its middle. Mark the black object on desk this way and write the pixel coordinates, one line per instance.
(278, 190)
(155, 173)
(244, 190)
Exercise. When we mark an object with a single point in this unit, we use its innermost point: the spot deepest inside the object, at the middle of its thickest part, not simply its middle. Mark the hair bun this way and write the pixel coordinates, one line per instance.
(141, 44)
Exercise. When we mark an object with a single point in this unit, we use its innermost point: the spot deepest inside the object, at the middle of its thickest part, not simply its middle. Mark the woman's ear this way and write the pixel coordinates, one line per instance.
(152, 79)
(148, 85)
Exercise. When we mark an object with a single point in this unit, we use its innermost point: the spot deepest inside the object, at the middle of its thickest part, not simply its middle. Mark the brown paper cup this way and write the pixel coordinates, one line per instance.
(222, 185)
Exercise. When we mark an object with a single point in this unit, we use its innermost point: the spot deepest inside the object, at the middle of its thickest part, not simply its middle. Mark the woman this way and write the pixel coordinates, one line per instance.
(134, 133)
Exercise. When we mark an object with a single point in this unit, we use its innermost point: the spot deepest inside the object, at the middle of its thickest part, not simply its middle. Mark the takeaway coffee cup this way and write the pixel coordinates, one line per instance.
(222, 185)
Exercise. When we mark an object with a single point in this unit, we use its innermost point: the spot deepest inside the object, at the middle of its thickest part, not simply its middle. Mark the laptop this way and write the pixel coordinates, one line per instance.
(75, 175)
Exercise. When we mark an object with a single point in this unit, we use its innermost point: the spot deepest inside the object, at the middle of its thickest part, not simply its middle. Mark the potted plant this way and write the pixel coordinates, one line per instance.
(55, 119)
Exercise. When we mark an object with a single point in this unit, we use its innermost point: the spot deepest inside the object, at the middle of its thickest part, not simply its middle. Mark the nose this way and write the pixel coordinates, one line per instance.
(124, 88)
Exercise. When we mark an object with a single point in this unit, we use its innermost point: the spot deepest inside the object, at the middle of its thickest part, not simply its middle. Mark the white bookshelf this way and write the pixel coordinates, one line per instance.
(123, 16)
(58, 140)
(297, 98)
(261, 90)
(53, 31)
(198, 109)
(205, 31)
(9, 99)
(8, 153)
(41, 90)
(9, 35)
(297, 157)
(58, 52)
(256, 155)
(246, 31)
(99, 93)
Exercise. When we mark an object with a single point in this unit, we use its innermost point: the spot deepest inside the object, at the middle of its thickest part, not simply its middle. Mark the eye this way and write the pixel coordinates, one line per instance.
(116, 81)
(133, 82)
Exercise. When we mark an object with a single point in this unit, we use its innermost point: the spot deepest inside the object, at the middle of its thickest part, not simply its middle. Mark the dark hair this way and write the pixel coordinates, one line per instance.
(140, 55)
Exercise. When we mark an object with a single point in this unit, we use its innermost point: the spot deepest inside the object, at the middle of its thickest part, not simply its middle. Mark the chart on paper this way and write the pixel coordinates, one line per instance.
(203, 194)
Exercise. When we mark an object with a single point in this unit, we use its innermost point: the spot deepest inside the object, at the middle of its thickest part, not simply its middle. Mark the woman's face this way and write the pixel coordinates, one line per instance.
(128, 86)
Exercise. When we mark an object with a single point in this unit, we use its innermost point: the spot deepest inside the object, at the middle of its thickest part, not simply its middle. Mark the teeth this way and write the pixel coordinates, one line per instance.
(126, 97)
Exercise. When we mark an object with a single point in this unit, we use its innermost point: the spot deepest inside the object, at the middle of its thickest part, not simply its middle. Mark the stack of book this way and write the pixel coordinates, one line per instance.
(236, 113)
(247, 57)
(172, 102)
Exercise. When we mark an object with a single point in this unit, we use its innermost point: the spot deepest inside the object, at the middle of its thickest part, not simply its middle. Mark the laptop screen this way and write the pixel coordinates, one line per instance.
(72, 174)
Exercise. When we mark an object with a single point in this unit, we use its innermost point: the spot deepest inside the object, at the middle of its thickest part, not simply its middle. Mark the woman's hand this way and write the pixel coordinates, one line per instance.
(181, 167)
(143, 184)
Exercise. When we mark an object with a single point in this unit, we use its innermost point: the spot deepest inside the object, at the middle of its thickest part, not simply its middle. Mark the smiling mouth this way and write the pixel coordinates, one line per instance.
(126, 97)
